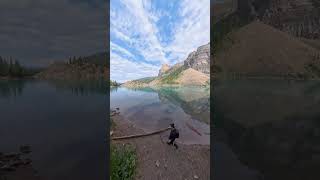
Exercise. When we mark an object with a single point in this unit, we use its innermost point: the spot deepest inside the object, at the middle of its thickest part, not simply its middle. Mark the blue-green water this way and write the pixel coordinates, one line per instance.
(63, 122)
(153, 109)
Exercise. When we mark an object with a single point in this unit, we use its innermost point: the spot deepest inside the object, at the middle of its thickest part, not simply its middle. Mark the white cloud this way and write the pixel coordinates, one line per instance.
(136, 25)
(119, 49)
(123, 70)
(193, 31)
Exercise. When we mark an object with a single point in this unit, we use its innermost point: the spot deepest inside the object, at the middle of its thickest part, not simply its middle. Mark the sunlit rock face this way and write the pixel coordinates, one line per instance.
(199, 59)
(164, 69)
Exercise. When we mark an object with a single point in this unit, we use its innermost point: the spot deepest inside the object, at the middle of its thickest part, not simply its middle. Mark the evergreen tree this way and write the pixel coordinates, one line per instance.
(13, 68)
(3, 67)
(17, 69)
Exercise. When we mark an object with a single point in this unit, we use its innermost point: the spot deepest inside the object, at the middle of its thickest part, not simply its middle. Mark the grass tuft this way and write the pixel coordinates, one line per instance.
(123, 162)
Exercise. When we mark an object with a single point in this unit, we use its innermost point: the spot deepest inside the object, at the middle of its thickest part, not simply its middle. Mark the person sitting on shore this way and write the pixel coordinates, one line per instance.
(173, 135)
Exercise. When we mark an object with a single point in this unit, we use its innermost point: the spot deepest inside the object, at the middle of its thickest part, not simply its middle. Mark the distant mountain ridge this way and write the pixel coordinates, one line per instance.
(194, 70)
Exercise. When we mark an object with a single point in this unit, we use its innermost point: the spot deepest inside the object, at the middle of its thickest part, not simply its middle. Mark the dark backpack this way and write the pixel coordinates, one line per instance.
(177, 133)
(174, 134)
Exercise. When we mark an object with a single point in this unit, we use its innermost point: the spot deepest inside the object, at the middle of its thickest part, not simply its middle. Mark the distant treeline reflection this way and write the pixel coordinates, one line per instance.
(80, 88)
(11, 88)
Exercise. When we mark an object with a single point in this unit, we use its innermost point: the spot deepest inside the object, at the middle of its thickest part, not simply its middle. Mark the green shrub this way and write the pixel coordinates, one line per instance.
(123, 162)
(312, 68)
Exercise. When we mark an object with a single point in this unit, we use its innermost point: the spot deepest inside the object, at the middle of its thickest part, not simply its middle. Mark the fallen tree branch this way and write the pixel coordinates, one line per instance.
(140, 135)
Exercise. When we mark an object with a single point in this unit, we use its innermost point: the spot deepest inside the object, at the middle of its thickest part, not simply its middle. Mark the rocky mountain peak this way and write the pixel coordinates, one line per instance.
(199, 59)
(164, 69)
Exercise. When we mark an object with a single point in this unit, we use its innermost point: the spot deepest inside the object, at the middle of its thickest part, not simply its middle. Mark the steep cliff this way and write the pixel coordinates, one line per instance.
(194, 70)
(164, 68)
(199, 59)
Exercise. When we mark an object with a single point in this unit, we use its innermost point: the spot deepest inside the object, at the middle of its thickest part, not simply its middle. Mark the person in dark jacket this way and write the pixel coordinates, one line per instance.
(173, 135)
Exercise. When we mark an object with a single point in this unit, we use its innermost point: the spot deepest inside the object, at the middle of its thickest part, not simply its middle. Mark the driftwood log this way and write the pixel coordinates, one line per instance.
(140, 135)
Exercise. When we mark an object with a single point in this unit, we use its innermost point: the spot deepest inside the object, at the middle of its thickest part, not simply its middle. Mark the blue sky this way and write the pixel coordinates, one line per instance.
(147, 33)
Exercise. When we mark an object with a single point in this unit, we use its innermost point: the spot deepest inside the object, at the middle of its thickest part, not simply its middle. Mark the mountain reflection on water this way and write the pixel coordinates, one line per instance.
(152, 109)
(266, 130)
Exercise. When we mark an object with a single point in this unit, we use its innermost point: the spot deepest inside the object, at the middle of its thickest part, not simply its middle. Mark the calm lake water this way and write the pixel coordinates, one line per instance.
(63, 122)
(266, 130)
(154, 109)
